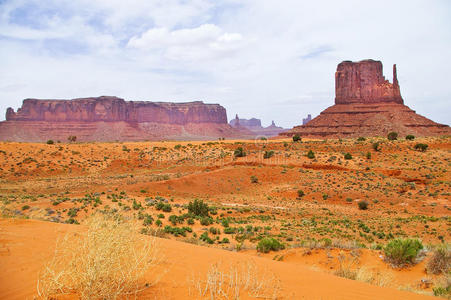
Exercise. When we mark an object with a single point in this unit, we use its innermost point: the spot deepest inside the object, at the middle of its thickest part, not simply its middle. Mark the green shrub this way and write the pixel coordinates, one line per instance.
(177, 147)
(410, 137)
(361, 139)
(311, 154)
(50, 142)
(198, 208)
(254, 179)
(401, 252)
(166, 207)
(268, 154)
(296, 138)
(392, 136)
(205, 238)
(376, 146)
(301, 193)
(269, 244)
(205, 221)
(25, 207)
(239, 152)
(368, 155)
(363, 205)
(348, 156)
(421, 147)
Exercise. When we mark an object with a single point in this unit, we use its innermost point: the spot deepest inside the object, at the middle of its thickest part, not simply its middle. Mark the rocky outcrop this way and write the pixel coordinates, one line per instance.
(364, 82)
(366, 104)
(255, 126)
(110, 118)
(306, 120)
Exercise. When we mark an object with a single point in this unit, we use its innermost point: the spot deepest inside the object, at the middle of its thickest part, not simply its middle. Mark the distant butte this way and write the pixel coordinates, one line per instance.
(110, 118)
(255, 126)
(366, 104)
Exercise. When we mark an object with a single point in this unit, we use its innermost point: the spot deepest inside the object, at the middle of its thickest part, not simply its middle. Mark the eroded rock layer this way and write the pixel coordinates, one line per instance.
(110, 118)
(366, 104)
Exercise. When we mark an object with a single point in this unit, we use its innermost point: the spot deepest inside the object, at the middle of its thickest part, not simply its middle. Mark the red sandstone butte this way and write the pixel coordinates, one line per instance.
(110, 118)
(366, 104)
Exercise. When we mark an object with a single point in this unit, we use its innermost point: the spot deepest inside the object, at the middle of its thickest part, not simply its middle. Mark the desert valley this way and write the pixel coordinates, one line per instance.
(309, 214)
(225, 150)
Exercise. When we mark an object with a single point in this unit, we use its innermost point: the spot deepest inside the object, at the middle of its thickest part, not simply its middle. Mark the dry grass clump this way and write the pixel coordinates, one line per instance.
(106, 261)
(440, 262)
(348, 268)
(244, 279)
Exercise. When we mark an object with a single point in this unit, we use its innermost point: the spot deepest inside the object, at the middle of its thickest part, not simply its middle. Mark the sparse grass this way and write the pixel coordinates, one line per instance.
(235, 282)
(440, 262)
(106, 261)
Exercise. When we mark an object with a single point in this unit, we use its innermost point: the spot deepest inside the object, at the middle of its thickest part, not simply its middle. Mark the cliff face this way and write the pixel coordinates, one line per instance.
(366, 104)
(110, 118)
(364, 82)
(113, 109)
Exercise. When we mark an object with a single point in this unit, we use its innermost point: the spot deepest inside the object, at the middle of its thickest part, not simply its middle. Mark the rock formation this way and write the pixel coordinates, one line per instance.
(306, 120)
(110, 118)
(366, 104)
(255, 126)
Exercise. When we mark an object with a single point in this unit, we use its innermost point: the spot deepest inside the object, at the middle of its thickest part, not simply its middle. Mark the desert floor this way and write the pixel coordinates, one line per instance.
(47, 191)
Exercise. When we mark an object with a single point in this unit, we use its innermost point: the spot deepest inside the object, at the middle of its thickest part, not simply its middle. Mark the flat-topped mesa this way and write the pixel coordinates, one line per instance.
(364, 82)
(114, 109)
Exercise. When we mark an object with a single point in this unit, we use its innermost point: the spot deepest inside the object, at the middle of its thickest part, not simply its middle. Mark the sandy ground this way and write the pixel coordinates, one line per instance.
(20, 266)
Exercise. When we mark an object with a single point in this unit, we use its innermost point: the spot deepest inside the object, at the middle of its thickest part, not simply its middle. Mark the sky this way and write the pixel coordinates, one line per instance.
(273, 60)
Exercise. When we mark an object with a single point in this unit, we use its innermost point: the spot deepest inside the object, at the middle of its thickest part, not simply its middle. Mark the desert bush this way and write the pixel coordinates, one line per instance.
(72, 138)
(205, 221)
(368, 155)
(310, 154)
(348, 156)
(106, 261)
(363, 204)
(198, 208)
(269, 244)
(301, 193)
(421, 147)
(410, 137)
(268, 154)
(440, 262)
(401, 252)
(254, 179)
(376, 146)
(443, 287)
(361, 139)
(50, 142)
(392, 136)
(296, 138)
(241, 280)
(166, 207)
(239, 152)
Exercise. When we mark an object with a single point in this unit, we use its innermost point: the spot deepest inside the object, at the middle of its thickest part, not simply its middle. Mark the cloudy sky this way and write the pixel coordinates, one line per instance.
(270, 59)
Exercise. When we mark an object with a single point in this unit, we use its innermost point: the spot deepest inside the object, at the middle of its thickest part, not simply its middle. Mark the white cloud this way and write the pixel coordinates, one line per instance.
(205, 41)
